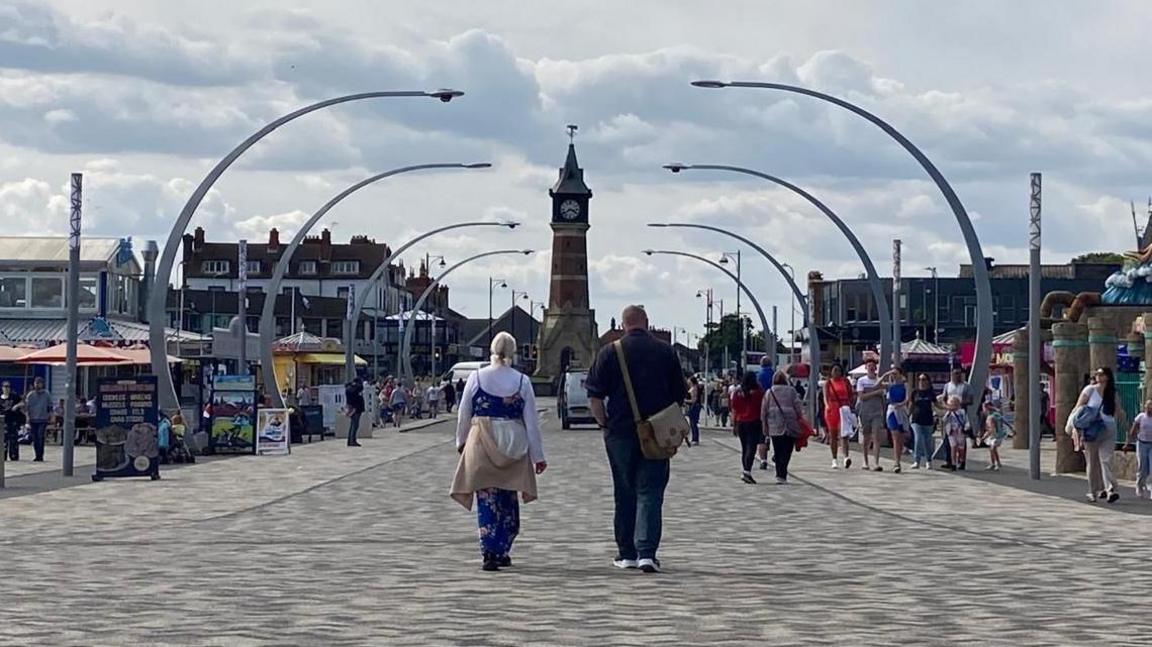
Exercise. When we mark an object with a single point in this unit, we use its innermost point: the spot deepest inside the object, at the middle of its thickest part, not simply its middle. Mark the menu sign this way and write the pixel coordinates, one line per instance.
(126, 421)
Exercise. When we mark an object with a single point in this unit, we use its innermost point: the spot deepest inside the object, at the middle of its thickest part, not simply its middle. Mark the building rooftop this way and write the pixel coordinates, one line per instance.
(54, 249)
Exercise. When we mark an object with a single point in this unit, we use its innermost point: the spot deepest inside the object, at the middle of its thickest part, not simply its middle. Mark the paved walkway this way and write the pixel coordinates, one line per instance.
(342, 546)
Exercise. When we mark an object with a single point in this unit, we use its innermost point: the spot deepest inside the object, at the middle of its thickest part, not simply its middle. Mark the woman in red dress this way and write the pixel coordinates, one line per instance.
(837, 393)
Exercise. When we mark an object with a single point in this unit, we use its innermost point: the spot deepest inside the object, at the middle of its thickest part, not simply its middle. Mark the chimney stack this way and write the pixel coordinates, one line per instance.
(273, 240)
(198, 239)
(151, 251)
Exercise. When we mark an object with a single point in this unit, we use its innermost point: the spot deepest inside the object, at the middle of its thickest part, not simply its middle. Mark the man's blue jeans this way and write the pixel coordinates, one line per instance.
(354, 427)
(38, 429)
(638, 487)
(694, 422)
(922, 454)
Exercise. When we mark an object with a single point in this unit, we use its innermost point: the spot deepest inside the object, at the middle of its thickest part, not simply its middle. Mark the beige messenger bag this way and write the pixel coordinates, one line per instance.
(662, 433)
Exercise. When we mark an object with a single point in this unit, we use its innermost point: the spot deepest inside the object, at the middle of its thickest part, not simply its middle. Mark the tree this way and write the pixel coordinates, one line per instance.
(726, 334)
(1100, 257)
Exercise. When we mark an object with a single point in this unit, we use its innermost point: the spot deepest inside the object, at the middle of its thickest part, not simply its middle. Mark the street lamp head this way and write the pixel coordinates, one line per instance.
(511, 224)
(649, 252)
(676, 167)
(723, 259)
(710, 84)
(526, 252)
(478, 165)
(503, 284)
(445, 94)
(442, 263)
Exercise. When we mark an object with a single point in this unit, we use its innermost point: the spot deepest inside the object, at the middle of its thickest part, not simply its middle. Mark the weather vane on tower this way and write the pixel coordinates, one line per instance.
(572, 128)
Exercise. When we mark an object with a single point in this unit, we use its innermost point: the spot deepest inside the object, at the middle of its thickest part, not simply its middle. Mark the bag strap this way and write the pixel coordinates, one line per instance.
(619, 346)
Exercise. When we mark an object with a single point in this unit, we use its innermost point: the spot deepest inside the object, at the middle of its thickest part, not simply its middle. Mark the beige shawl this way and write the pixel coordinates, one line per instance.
(483, 466)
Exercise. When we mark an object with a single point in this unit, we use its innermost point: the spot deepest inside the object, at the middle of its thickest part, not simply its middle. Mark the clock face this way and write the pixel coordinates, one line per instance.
(569, 210)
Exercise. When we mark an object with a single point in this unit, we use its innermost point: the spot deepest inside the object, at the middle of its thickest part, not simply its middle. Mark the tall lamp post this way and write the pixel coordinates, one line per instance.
(724, 256)
(515, 294)
(159, 295)
(428, 258)
(706, 294)
(492, 288)
(792, 330)
(406, 334)
(935, 305)
(984, 328)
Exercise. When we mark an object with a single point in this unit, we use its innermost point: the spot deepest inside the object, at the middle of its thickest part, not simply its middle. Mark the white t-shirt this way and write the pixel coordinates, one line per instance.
(433, 394)
(1095, 400)
(1144, 427)
(870, 405)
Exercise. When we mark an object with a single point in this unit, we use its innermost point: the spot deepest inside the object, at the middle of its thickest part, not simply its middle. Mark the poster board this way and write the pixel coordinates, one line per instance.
(273, 429)
(126, 419)
(232, 423)
(313, 415)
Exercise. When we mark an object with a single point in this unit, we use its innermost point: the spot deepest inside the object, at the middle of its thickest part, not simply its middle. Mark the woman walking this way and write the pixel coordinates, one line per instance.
(897, 414)
(695, 406)
(923, 421)
(1101, 396)
(837, 393)
(498, 437)
(780, 414)
(746, 403)
(398, 402)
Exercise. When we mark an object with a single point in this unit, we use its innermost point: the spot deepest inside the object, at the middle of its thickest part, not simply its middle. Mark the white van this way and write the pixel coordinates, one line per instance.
(572, 402)
(461, 371)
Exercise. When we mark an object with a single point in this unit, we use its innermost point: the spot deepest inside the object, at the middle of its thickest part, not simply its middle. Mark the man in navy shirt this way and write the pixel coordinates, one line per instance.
(638, 482)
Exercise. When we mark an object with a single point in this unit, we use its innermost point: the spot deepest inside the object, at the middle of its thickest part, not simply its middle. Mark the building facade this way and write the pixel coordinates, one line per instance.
(941, 310)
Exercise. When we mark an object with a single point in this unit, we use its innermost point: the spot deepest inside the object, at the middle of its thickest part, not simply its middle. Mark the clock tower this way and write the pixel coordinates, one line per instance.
(568, 336)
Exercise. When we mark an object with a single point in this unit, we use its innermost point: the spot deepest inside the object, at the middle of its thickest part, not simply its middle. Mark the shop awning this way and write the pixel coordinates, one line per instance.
(327, 358)
(86, 355)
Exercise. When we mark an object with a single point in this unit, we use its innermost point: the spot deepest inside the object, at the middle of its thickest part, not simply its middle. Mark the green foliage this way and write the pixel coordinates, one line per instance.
(1100, 257)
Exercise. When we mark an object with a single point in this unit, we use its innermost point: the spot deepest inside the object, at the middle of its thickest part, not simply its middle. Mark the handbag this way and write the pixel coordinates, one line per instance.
(660, 434)
(796, 431)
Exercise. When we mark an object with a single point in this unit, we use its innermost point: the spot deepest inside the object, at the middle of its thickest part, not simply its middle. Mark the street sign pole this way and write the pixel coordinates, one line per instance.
(1034, 412)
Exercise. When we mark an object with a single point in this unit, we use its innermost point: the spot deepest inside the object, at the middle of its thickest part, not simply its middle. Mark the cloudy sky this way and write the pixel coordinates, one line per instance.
(145, 96)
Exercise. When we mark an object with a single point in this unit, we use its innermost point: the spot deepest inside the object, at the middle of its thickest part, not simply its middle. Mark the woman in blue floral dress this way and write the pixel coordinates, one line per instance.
(498, 437)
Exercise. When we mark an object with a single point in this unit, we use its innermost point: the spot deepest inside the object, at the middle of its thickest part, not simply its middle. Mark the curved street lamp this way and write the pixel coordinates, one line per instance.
(814, 342)
(405, 339)
(358, 306)
(984, 331)
(739, 284)
(801, 298)
(267, 326)
(885, 313)
(159, 296)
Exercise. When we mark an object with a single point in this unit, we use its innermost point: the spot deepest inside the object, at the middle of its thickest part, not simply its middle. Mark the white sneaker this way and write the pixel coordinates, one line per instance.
(625, 563)
(650, 565)
(928, 466)
(835, 464)
(915, 466)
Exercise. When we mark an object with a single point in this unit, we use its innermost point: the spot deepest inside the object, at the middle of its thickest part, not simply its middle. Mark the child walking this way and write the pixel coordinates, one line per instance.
(994, 433)
(954, 422)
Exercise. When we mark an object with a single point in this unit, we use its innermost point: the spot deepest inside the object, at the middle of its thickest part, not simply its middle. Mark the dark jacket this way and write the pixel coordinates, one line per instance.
(656, 378)
(354, 396)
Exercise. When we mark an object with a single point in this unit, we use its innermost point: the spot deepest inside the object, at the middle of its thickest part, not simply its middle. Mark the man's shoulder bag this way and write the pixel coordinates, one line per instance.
(662, 433)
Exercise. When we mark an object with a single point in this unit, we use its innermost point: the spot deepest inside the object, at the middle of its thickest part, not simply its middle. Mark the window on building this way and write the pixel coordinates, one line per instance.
(13, 292)
(252, 267)
(88, 294)
(47, 292)
(345, 267)
(306, 267)
(342, 293)
(313, 325)
(214, 267)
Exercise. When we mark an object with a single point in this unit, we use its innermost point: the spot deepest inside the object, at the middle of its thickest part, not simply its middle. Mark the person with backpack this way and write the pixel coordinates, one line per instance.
(635, 380)
(746, 423)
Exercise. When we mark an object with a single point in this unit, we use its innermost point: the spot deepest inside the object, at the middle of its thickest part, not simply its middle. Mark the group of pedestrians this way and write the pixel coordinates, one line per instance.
(32, 412)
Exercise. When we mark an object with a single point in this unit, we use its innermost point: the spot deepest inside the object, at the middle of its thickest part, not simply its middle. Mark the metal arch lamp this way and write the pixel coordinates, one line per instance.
(168, 399)
(814, 344)
(267, 326)
(378, 275)
(885, 313)
(739, 283)
(984, 330)
(405, 366)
